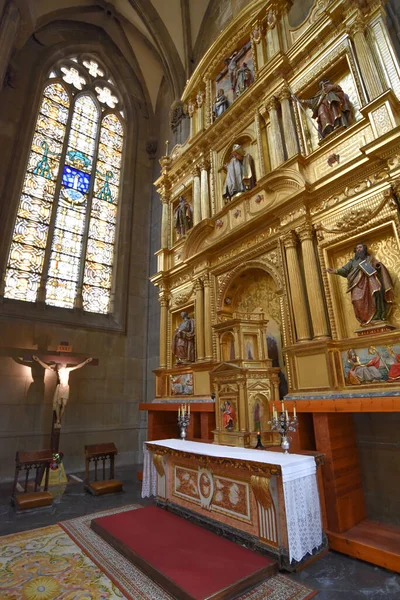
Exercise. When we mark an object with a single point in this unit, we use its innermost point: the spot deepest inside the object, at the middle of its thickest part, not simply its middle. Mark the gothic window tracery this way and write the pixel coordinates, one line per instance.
(63, 244)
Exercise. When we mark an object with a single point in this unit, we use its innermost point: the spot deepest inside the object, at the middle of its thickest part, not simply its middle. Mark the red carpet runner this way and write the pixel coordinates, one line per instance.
(188, 561)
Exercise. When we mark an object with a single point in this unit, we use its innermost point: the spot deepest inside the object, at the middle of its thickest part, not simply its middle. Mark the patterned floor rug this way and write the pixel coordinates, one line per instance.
(69, 561)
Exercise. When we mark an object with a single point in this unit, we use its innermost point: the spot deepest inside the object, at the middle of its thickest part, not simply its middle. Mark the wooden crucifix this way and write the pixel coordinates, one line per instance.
(62, 365)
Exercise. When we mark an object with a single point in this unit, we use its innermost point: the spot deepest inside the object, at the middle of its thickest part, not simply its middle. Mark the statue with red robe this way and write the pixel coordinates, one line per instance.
(369, 284)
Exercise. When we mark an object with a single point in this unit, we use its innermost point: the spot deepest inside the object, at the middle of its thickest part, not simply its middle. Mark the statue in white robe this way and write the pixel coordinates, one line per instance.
(240, 175)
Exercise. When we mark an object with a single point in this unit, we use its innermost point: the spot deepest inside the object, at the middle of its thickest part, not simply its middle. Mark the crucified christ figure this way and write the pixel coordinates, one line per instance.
(61, 393)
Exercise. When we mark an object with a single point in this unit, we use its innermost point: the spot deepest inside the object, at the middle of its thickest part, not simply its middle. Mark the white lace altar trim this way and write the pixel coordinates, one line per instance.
(303, 516)
(149, 483)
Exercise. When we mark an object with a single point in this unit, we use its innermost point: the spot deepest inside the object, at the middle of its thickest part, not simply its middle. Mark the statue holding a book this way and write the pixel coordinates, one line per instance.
(369, 284)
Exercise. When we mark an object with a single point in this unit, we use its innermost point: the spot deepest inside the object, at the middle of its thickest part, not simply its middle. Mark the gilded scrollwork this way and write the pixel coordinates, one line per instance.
(159, 464)
(252, 467)
(260, 488)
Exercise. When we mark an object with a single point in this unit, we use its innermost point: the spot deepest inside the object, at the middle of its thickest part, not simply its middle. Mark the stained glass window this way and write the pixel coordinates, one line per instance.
(62, 249)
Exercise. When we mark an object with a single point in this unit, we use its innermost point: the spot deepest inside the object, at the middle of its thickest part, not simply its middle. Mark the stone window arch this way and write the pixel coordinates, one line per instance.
(62, 250)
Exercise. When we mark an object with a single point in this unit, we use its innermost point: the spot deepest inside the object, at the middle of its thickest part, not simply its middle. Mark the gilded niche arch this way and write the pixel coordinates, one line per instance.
(266, 265)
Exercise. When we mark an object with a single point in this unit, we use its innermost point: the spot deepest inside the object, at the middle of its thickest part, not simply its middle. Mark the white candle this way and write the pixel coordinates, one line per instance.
(179, 411)
(294, 410)
(189, 410)
(287, 416)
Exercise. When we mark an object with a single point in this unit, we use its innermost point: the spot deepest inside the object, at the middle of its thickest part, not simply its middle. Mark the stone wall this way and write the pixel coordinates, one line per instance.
(103, 404)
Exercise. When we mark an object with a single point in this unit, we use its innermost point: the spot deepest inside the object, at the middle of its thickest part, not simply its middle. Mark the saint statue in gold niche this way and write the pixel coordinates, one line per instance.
(220, 104)
(240, 175)
(369, 284)
(228, 415)
(183, 219)
(244, 78)
(183, 340)
(331, 107)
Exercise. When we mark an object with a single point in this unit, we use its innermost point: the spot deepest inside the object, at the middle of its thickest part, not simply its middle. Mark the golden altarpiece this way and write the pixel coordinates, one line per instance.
(249, 266)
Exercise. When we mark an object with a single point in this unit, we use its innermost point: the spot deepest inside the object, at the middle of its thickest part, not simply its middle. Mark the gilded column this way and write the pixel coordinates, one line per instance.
(164, 223)
(207, 319)
(242, 406)
(365, 58)
(199, 320)
(289, 129)
(191, 109)
(200, 97)
(273, 45)
(297, 292)
(196, 195)
(313, 283)
(204, 193)
(163, 331)
(276, 138)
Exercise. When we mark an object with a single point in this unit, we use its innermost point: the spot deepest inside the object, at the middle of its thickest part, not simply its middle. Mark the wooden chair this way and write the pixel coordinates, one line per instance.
(25, 461)
(96, 453)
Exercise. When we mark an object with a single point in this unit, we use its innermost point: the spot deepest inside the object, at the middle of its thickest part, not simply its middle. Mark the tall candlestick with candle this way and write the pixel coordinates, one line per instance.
(183, 419)
(283, 423)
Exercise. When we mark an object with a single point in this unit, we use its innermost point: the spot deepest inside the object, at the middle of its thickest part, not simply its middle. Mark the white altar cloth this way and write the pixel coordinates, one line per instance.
(303, 513)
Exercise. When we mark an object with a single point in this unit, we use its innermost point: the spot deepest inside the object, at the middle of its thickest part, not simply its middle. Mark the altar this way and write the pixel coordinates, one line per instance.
(266, 500)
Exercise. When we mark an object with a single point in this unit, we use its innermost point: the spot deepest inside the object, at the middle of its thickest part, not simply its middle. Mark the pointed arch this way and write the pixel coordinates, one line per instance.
(62, 249)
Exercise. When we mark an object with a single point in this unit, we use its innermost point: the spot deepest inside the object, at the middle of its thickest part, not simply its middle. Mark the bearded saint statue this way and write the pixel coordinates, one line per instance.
(369, 284)
(183, 340)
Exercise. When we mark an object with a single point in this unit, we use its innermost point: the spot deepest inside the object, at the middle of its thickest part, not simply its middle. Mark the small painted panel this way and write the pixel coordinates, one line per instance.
(182, 385)
(372, 365)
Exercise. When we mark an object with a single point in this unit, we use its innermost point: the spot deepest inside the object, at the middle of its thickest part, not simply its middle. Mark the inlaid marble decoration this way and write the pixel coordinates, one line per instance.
(186, 483)
(230, 497)
(371, 365)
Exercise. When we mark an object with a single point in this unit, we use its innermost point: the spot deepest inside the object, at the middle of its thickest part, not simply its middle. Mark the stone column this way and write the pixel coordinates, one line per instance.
(315, 292)
(207, 319)
(196, 195)
(9, 24)
(277, 145)
(365, 58)
(199, 320)
(297, 292)
(163, 331)
(204, 193)
(289, 129)
(164, 223)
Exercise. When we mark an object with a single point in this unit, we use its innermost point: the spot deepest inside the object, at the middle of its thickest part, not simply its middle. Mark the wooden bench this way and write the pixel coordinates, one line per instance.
(32, 498)
(101, 452)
